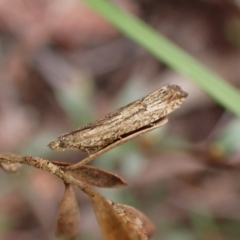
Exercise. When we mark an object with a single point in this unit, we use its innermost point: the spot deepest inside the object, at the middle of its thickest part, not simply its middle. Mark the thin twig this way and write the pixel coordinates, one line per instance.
(46, 165)
(59, 171)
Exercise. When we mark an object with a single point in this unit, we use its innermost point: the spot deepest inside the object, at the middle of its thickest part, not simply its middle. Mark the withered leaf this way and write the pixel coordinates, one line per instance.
(113, 221)
(134, 214)
(68, 219)
(97, 177)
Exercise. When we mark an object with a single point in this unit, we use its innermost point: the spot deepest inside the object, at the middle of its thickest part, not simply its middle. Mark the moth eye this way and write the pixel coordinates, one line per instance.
(63, 144)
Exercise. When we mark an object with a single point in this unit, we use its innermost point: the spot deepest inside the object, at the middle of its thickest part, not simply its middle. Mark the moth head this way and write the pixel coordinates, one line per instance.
(177, 92)
(58, 145)
(174, 96)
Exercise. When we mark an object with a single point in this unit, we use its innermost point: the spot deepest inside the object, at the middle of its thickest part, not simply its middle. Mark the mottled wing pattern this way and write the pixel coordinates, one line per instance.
(107, 124)
(126, 120)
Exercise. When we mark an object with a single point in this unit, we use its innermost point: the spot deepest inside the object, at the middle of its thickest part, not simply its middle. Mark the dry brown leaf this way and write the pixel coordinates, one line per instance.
(135, 214)
(10, 167)
(114, 223)
(97, 177)
(68, 219)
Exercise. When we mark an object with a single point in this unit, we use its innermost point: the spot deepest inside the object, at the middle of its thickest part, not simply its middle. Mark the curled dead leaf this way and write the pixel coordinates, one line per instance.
(97, 177)
(68, 219)
(134, 214)
(115, 223)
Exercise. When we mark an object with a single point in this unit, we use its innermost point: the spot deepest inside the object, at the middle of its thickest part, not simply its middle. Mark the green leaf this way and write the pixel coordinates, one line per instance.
(167, 52)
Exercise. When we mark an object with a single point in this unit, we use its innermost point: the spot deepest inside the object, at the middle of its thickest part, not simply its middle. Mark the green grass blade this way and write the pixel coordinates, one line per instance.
(167, 52)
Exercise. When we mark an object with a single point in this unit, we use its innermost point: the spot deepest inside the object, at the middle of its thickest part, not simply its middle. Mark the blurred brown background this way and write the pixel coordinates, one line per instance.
(63, 66)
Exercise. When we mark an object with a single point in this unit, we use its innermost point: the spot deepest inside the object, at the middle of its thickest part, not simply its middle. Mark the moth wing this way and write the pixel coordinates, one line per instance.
(111, 120)
(116, 116)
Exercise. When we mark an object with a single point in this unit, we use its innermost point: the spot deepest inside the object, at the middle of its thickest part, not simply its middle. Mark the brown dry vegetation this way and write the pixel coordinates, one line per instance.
(63, 66)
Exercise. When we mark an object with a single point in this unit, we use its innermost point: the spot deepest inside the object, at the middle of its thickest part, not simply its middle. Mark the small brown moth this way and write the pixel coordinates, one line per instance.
(143, 113)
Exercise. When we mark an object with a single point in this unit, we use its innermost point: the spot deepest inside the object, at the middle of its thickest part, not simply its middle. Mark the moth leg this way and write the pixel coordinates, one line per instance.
(86, 150)
(92, 151)
(119, 137)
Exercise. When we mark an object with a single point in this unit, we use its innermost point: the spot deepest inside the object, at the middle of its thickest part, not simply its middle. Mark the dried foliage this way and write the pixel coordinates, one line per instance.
(97, 177)
(62, 65)
(68, 219)
(114, 219)
(115, 222)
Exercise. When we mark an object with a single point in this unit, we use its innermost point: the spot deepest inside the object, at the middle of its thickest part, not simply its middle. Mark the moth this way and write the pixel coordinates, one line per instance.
(123, 122)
